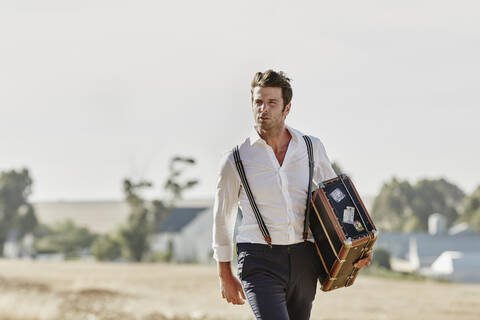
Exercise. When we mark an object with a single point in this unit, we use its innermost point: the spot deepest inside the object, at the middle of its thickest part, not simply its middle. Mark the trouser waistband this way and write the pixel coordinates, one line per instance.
(245, 246)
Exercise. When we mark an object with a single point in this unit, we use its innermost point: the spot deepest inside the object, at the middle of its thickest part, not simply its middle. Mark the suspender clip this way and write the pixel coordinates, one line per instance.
(268, 239)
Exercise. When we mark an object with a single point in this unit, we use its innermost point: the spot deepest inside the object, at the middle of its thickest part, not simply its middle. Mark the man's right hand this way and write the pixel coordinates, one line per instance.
(230, 286)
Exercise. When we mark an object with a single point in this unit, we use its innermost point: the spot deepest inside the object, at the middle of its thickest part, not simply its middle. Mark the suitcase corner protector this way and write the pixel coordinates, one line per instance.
(348, 242)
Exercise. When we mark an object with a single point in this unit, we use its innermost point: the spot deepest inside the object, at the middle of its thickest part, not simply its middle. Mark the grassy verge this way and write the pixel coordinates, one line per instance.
(376, 271)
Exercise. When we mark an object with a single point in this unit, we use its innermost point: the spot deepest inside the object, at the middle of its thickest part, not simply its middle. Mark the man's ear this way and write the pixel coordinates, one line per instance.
(286, 109)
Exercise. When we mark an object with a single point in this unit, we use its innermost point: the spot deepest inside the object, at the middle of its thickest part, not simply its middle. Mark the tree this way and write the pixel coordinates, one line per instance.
(26, 218)
(160, 211)
(64, 237)
(135, 233)
(337, 168)
(15, 210)
(391, 205)
(177, 166)
(437, 195)
(470, 211)
(402, 207)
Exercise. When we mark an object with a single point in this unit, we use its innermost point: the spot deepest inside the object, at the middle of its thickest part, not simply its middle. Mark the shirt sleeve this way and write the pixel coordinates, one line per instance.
(323, 167)
(225, 210)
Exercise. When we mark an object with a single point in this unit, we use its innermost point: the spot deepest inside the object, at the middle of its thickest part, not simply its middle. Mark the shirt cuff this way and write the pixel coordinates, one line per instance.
(223, 253)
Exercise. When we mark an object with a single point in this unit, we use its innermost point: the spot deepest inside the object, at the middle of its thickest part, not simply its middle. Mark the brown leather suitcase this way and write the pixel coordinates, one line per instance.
(343, 231)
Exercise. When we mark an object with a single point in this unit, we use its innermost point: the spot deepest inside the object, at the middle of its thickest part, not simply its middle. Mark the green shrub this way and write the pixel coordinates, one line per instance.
(107, 248)
(381, 258)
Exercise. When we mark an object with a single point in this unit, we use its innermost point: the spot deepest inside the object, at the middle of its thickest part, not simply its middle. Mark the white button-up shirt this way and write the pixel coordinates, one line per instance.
(279, 191)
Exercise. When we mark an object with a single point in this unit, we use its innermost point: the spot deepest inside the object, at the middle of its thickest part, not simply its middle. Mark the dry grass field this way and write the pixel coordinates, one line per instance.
(32, 290)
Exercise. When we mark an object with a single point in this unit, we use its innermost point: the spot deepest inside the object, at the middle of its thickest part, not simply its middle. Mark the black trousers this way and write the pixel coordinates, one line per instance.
(279, 282)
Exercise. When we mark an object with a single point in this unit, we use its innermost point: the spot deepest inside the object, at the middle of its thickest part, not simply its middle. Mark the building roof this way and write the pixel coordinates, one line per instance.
(456, 266)
(179, 218)
(396, 243)
(429, 247)
(461, 228)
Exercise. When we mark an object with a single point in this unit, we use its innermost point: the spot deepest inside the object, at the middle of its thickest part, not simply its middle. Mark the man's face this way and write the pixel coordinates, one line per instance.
(268, 109)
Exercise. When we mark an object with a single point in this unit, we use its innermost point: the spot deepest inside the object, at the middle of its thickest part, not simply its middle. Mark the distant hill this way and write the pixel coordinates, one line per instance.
(98, 216)
(105, 216)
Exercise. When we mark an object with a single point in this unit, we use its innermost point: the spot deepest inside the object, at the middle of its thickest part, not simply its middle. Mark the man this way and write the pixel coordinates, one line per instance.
(279, 280)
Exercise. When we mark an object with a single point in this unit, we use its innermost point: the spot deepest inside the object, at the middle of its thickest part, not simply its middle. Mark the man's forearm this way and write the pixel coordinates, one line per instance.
(230, 286)
(224, 269)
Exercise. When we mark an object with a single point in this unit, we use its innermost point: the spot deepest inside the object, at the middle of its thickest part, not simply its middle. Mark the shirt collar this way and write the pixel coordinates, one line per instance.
(255, 137)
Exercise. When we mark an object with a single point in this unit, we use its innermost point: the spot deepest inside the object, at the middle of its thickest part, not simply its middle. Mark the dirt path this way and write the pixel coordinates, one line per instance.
(94, 291)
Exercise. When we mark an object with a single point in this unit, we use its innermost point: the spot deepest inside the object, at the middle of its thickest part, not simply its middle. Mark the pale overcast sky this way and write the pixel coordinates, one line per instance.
(94, 91)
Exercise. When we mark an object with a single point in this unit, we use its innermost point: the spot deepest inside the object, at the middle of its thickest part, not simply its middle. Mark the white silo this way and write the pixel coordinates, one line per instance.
(437, 224)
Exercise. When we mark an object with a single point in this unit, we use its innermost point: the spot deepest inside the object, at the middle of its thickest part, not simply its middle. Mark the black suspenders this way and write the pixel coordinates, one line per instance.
(306, 224)
(243, 177)
(248, 191)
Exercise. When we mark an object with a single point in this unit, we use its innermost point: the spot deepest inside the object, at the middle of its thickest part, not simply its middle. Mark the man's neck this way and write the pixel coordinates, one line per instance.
(277, 138)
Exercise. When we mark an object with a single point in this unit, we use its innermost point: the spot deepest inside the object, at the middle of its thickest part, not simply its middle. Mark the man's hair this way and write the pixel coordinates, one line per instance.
(271, 78)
